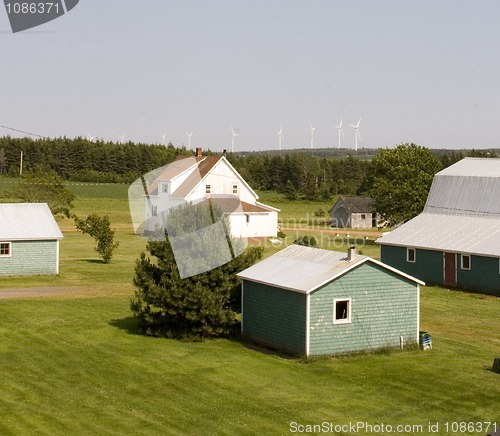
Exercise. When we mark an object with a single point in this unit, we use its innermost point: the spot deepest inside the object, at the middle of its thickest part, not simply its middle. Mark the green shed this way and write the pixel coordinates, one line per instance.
(311, 301)
(29, 240)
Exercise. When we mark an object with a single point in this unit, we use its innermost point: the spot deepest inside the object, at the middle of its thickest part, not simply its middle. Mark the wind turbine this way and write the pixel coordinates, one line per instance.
(312, 129)
(189, 139)
(121, 139)
(90, 138)
(163, 138)
(280, 136)
(339, 128)
(232, 139)
(356, 135)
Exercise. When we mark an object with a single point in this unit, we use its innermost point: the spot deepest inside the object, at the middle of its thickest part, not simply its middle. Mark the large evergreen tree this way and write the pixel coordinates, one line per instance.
(198, 306)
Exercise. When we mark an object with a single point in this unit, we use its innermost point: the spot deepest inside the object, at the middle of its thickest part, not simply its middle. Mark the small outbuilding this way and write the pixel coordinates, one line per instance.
(355, 212)
(29, 240)
(310, 301)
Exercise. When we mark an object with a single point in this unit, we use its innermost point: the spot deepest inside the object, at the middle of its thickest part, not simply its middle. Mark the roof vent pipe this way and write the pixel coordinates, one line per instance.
(351, 253)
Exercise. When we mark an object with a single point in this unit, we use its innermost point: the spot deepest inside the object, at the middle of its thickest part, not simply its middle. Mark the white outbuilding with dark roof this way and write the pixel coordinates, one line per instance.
(310, 301)
(455, 241)
(29, 240)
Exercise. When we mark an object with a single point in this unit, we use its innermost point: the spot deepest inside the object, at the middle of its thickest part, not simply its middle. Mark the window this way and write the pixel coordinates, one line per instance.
(465, 261)
(342, 311)
(4, 249)
(164, 188)
(208, 189)
(363, 216)
(247, 218)
(410, 255)
(235, 189)
(154, 210)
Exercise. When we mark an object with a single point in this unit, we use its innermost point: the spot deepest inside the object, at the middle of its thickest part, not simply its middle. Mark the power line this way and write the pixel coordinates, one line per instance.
(22, 131)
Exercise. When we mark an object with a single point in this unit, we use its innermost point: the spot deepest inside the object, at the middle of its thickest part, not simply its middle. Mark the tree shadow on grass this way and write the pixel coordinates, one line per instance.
(129, 324)
(100, 261)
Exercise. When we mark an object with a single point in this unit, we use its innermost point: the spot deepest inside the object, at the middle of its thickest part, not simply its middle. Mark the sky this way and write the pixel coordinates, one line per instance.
(426, 72)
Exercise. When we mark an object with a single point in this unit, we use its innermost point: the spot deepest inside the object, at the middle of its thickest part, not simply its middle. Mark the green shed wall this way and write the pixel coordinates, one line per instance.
(384, 306)
(30, 258)
(428, 265)
(274, 316)
(484, 275)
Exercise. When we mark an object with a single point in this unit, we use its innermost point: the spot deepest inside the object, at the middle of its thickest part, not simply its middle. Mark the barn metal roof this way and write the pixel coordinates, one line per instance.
(469, 187)
(454, 233)
(305, 269)
(462, 212)
(27, 221)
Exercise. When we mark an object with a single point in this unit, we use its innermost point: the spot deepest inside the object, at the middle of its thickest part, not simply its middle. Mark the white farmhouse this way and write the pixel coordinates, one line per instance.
(203, 178)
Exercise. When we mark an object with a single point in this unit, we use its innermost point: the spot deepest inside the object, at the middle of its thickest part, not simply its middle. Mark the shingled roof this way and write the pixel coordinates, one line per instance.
(358, 204)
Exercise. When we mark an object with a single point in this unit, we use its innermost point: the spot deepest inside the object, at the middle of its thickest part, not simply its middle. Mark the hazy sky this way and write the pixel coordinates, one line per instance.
(415, 71)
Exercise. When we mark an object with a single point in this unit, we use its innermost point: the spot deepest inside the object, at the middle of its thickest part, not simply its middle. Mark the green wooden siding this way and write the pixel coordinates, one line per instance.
(30, 258)
(484, 275)
(274, 316)
(384, 307)
(428, 265)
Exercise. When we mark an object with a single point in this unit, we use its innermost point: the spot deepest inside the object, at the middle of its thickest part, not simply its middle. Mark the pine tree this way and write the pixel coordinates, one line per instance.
(200, 306)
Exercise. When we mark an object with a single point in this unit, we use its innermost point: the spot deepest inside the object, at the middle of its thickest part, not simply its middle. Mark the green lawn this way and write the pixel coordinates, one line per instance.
(76, 366)
(73, 365)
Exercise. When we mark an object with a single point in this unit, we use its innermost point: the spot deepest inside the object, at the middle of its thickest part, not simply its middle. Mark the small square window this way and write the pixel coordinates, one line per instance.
(235, 189)
(342, 311)
(410, 255)
(208, 189)
(154, 210)
(465, 261)
(4, 249)
(363, 216)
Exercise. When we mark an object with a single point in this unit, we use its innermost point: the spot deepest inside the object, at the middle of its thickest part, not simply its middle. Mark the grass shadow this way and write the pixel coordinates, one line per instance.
(100, 261)
(129, 325)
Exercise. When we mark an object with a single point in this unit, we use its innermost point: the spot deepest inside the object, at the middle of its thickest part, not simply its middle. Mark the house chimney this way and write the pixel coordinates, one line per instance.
(351, 253)
(198, 151)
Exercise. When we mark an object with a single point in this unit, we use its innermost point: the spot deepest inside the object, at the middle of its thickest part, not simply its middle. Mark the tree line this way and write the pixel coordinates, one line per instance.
(82, 160)
(296, 174)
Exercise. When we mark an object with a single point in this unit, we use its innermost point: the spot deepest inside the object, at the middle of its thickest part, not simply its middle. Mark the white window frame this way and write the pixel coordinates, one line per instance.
(408, 255)
(235, 189)
(462, 261)
(347, 320)
(208, 189)
(9, 244)
(154, 210)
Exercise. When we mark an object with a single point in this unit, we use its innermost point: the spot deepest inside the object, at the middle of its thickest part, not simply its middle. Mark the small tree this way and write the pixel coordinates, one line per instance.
(307, 241)
(99, 228)
(45, 186)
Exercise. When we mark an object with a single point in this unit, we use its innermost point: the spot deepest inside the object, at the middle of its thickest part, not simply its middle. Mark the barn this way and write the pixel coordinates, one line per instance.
(310, 301)
(355, 212)
(455, 241)
(29, 240)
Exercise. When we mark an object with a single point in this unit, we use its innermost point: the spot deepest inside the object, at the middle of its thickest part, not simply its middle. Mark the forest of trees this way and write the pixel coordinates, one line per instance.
(296, 174)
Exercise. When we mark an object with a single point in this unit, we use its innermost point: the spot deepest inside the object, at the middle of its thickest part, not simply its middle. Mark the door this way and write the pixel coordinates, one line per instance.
(450, 269)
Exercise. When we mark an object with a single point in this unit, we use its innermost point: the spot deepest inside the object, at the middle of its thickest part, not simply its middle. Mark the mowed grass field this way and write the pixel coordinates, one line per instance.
(73, 363)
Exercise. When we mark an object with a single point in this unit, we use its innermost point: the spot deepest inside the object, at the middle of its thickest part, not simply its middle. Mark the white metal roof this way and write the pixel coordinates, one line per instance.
(305, 269)
(462, 212)
(469, 187)
(27, 221)
(453, 233)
